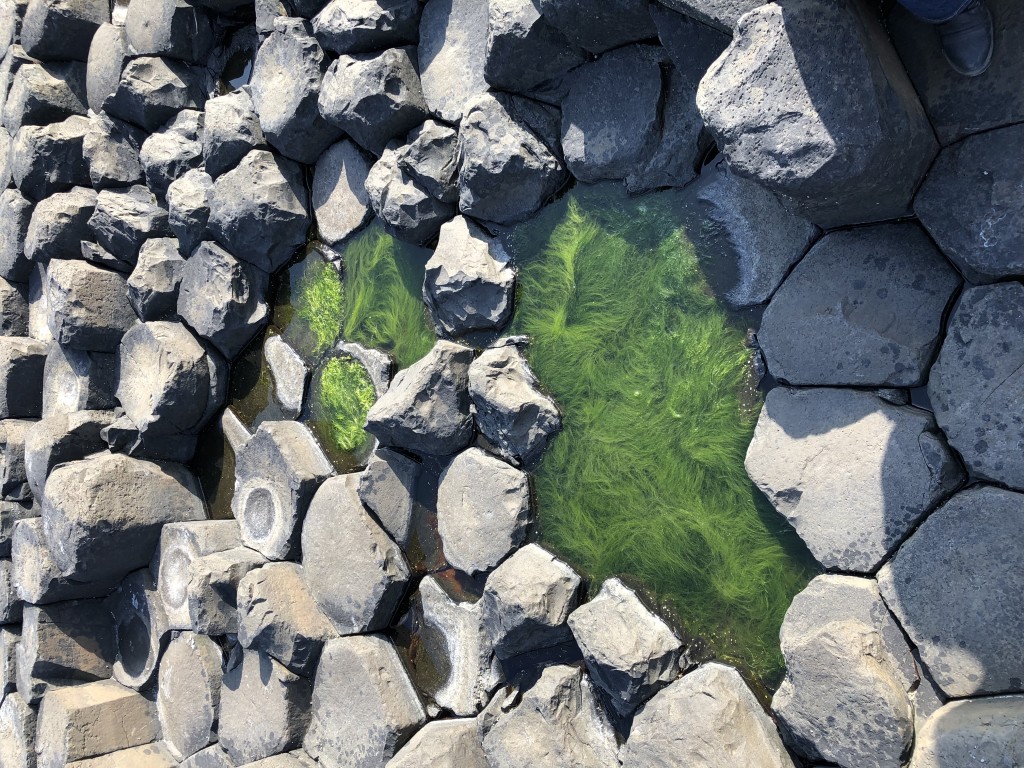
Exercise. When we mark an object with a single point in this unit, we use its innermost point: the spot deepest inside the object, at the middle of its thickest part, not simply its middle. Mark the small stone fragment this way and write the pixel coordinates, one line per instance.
(15, 218)
(430, 158)
(213, 586)
(13, 478)
(61, 29)
(13, 308)
(108, 54)
(171, 152)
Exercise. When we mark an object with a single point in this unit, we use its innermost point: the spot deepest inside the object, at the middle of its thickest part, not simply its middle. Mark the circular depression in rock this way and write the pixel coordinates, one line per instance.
(259, 514)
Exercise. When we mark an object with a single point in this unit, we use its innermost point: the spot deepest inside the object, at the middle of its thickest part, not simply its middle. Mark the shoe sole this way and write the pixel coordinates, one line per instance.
(988, 61)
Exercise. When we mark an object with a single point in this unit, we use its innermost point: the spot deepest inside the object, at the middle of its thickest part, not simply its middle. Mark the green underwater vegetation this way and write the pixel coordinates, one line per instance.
(341, 394)
(646, 480)
(310, 305)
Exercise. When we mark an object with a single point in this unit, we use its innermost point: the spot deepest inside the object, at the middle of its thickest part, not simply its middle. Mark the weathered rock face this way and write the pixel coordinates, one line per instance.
(59, 225)
(851, 472)
(285, 86)
(968, 206)
(102, 515)
(510, 410)
(276, 474)
(972, 733)
(61, 29)
(443, 744)
(107, 54)
(58, 439)
(289, 373)
(356, 574)
(37, 578)
(973, 387)
(125, 218)
(610, 117)
(748, 220)
(172, 151)
(401, 202)
(507, 169)
(48, 158)
(718, 13)
(527, 601)
(598, 29)
(88, 306)
(844, 136)
(426, 409)
(387, 487)
(22, 362)
(13, 308)
(17, 732)
(708, 718)
(430, 158)
(863, 308)
(373, 97)
(630, 652)
(153, 285)
(181, 545)
(849, 674)
(230, 130)
(483, 507)
(111, 148)
(361, 26)
(557, 722)
(15, 217)
(452, 53)
(153, 89)
(957, 594)
(364, 706)
(44, 93)
(75, 380)
(172, 28)
(140, 629)
(340, 201)
(259, 210)
(469, 283)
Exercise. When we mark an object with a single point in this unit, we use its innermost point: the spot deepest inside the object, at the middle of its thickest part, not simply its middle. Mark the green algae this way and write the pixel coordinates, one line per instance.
(646, 480)
(341, 394)
(309, 305)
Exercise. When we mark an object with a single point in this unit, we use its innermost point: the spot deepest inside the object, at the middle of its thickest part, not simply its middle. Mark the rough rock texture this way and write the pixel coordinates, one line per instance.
(610, 117)
(37, 578)
(285, 86)
(340, 202)
(473, 671)
(153, 755)
(259, 210)
(958, 595)
(140, 629)
(153, 89)
(102, 515)
(276, 475)
(972, 734)
(373, 97)
(125, 218)
(974, 386)
(401, 202)
(849, 673)
(230, 130)
(630, 652)
(153, 285)
(289, 373)
(430, 158)
(48, 158)
(426, 409)
(211, 591)
(15, 217)
(75, 380)
(364, 705)
(21, 377)
(851, 472)
(600, 28)
(387, 487)
(44, 93)
(59, 225)
(222, 299)
(557, 722)
(452, 54)
(88, 306)
(745, 219)
(843, 136)
(507, 169)
(60, 438)
(483, 507)
(256, 689)
(172, 151)
(278, 616)
(969, 204)
(107, 54)
(707, 718)
(17, 732)
(61, 29)
(173, 28)
(13, 479)
(524, 50)
(863, 308)
(356, 574)
(443, 744)
(510, 410)
(527, 601)
(469, 283)
(13, 308)
(360, 26)
(111, 148)
(718, 13)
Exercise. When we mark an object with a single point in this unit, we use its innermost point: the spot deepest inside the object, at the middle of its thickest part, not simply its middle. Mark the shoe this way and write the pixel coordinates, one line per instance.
(968, 39)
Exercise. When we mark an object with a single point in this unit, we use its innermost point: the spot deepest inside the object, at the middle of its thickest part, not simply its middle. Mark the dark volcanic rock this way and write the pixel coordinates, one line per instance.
(88, 306)
(188, 208)
(230, 130)
(843, 136)
(107, 56)
(15, 218)
(173, 28)
(13, 308)
(153, 285)
(974, 731)
(77, 380)
(45, 93)
(373, 97)
(956, 590)
(62, 29)
(111, 148)
(599, 28)
(172, 151)
(452, 54)
(405, 207)
(975, 385)
(152, 90)
(341, 204)
(125, 218)
(863, 308)
(970, 203)
(259, 210)
(361, 26)
(59, 225)
(49, 158)
(285, 84)
(430, 158)
(718, 13)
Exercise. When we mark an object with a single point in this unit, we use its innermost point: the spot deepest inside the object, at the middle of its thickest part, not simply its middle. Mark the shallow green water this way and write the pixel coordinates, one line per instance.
(651, 374)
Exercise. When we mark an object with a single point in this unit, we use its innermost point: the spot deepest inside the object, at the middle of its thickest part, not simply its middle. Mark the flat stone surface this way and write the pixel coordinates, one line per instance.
(360, 26)
(969, 204)
(851, 472)
(443, 744)
(843, 136)
(976, 385)
(956, 590)
(972, 734)
(452, 54)
(387, 487)
(958, 105)
(364, 705)
(849, 676)
(863, 308)
(154, 755)
(708, 718)
(341, 205)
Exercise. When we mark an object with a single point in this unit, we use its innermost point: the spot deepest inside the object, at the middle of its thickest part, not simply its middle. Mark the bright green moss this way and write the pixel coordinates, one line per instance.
(341, 395)
(383, 305)
(647, 478)
(309, 305)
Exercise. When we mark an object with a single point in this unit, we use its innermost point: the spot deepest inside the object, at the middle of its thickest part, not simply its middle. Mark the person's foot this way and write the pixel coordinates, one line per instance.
(967, 40)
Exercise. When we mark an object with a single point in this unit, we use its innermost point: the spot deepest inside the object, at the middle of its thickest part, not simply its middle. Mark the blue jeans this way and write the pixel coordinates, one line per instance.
(935, 11)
